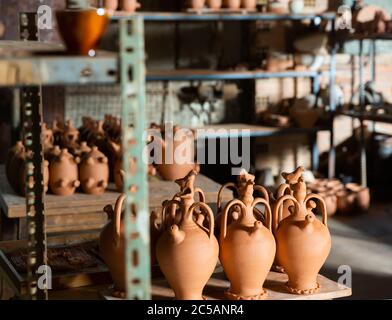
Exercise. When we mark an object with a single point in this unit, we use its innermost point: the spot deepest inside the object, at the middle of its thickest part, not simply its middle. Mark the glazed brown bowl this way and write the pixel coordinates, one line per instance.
(82, 30)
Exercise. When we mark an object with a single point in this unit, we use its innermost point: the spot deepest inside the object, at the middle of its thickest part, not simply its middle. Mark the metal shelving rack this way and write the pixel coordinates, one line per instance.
(30, 71)
(206, 75)
(362, 115)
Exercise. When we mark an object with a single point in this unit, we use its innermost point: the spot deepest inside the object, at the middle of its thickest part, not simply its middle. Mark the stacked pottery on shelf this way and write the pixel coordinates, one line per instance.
(187, 252)
(303, 242)
(247, 247)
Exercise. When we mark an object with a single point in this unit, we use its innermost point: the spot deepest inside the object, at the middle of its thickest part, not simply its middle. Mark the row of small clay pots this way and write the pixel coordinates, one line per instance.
(341, 198)
(217, 4)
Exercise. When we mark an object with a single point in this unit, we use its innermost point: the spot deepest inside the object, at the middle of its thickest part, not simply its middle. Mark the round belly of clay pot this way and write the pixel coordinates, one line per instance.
(172, 172)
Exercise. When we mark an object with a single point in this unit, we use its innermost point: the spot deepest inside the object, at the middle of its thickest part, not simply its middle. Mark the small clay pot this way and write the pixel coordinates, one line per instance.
(277, 7)
(197, 4)
(362, 196)
(214, 4)
(305, 118)
(82, 150)
(345, 202)
(233, 4)
(111, 5)
(249, 4)
(296, 6)
(330, 202)
(63, 178)
(57, 129)
(70, 137)
(82, 29)
(130, 6)
(94, 172)
(14, 163)
(47, 138)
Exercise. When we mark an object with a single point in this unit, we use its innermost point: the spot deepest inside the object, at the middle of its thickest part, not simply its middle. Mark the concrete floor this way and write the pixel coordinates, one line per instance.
(363, 242)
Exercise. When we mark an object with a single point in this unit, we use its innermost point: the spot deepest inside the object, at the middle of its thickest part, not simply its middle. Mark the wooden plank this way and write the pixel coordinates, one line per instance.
(215, 290)
(13, 205)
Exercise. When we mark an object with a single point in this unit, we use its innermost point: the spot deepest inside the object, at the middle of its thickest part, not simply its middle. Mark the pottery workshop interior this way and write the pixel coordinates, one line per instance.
(206, 150)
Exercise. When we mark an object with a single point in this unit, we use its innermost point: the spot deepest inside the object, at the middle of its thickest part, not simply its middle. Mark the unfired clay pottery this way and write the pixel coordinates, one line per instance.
(14, 163)
(247, 247)
(187, 252)
(234, 211)
(94, 172)
(214, 4)
(111, 246)
(172, 170)
(63, 178)
(303, 242)
(130, 6)
(197, 4)
(82, 29)
(111, 5)
(249, 4)
(233, 4)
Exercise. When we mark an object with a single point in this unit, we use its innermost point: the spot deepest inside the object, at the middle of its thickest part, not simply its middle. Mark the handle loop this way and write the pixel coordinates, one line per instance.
(207, 209)
(312, 196)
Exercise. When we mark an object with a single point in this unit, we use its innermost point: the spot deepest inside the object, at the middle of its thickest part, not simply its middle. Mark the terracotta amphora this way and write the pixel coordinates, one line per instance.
(233, 214)
(249, 4)
(303, 242)
(14, 163)
(63, 177)
(177, 155)
(214, 4)
(130, 6)
(82, 29)
(187, 252)
(94, 172)
(247, 247)
(233, 4)
(111, 246)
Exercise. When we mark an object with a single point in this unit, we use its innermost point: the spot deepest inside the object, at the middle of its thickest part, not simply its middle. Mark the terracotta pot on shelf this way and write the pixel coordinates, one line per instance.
(171, 168)
(47, 138)
(361, 195)
(214, 4)
(82, 29)
(70, 137)
(247, 247)
(249, 4)
(94, 172)
(130, 6)
(233, 4)
(111, 5)
(303, 242)
(186, 251)
(63, 177)
(197, 4)
(345, 202)
(277, 7)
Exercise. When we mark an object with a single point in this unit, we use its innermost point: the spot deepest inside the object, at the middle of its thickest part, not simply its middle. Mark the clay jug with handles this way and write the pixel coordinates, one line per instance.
(303, 242)
(187, 252)
(247, 247)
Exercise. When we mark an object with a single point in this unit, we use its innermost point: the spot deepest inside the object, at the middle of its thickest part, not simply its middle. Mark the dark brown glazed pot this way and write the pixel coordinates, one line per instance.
(94, 172)
(82, 29)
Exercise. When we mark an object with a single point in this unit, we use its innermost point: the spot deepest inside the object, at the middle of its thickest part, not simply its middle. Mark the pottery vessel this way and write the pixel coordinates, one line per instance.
(197, 4)
(277, 6)
(233, 4)
(70, 137)
(47, 138)
(296, 6)
(111, 246)
(130, 6)
(234, 211)
(14, 163)
(63, 178)
(82, 29)
(247, 247)
(361, 194)
(187, 252)
(249, 4)
(82, 150)
(94, 172)
(169, 167)
(111, 5)
(303, 242)
(214, 4)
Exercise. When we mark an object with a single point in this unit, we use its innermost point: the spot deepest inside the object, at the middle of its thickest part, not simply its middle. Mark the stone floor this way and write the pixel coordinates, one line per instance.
(363, 242)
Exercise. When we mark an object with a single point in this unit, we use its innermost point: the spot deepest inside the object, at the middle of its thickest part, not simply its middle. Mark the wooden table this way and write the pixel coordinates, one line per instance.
(80, 211)
(214, 290)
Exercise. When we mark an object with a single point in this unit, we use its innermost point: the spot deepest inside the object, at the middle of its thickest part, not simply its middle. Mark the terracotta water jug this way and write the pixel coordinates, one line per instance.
(111, 246)
(303, 242)
(233, 214)
(214, 4)
(63, 177)
(94, 172)
(233, 4)
(247, 247)
(14, 162)
(186, 251)
(169, 167)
